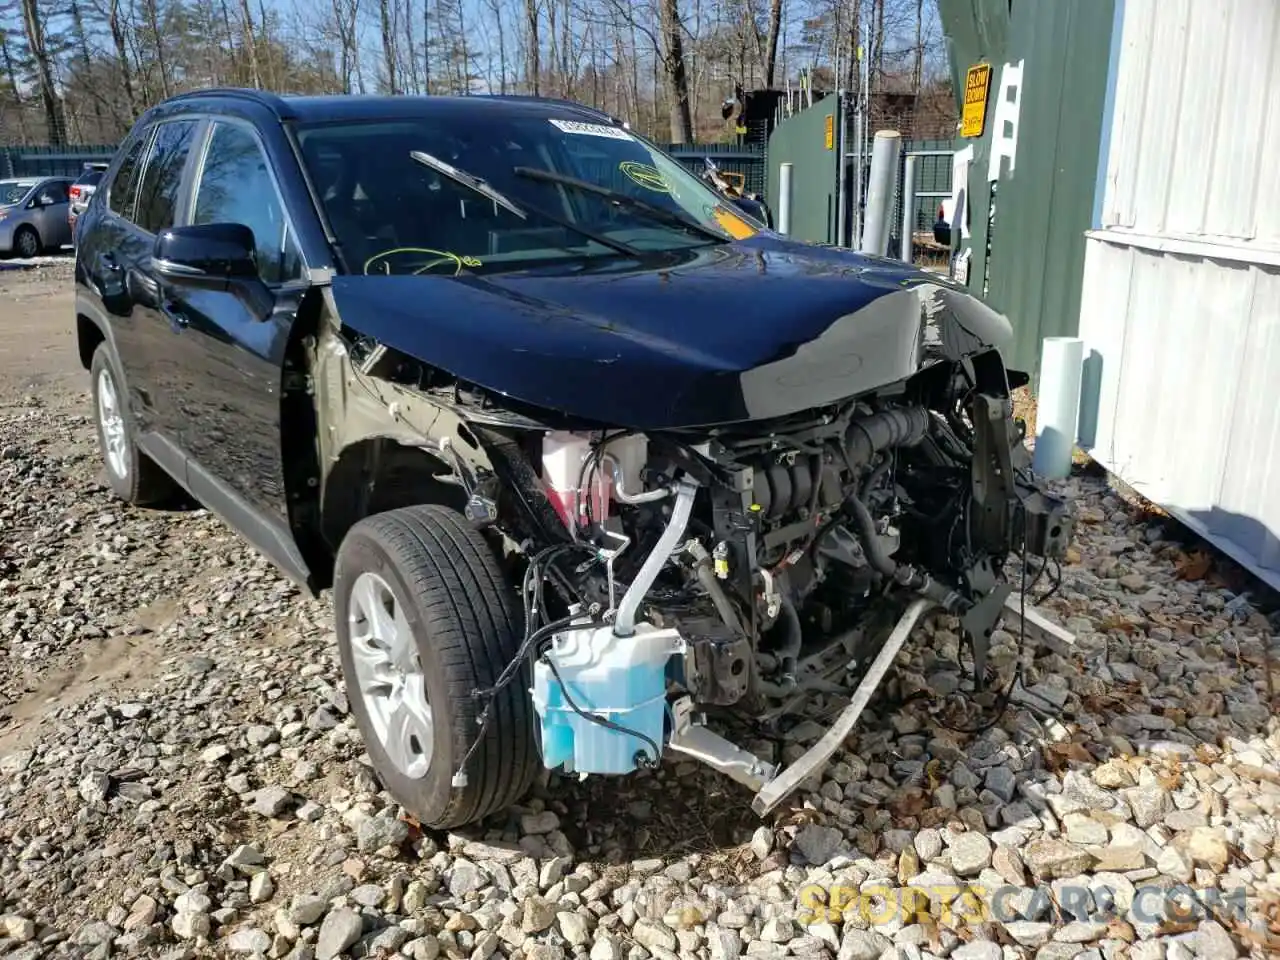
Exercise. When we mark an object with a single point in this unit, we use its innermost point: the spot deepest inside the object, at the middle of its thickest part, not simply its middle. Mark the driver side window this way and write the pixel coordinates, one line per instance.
(236, 187)
(52, 193)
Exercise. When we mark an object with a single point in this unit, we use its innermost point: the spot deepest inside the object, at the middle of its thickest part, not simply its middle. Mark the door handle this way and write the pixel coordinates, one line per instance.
(173, 313)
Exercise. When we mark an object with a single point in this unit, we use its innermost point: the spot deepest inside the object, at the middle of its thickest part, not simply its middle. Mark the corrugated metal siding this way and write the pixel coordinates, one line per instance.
(1196, 114)
(1044, 205)
(1181, 303)
(1188, 350)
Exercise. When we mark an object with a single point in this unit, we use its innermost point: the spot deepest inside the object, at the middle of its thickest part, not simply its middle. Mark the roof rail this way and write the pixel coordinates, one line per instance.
(272, 101)
(556, 100)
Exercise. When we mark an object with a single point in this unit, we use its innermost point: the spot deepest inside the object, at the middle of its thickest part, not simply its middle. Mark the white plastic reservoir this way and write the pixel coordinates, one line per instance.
(622, 680)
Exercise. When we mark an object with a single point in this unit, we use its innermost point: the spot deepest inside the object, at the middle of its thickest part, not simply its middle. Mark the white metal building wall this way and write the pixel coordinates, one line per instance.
(1181, 304)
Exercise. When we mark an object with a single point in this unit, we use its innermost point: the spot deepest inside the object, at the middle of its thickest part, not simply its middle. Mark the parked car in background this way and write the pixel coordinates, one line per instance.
(82, 192)
(33, 215)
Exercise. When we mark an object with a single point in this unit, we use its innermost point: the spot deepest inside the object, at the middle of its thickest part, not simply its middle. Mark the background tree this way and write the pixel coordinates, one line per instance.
(83, 70)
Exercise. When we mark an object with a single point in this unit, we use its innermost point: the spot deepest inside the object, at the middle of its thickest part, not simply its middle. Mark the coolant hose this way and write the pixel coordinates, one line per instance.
(789, 655)
(624, 625)
(867, 436)
(702, 566)
(903, 574)
(621, 492)
(871, 546)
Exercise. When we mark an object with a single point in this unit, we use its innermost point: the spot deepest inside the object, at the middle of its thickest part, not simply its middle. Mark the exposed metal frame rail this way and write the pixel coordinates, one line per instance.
(692, 738)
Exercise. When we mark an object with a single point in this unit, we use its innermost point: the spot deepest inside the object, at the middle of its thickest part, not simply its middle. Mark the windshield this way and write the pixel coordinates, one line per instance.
(12, 191)
(393, 213)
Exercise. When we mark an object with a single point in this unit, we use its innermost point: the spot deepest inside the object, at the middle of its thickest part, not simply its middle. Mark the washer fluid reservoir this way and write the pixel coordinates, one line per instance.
(619, 679)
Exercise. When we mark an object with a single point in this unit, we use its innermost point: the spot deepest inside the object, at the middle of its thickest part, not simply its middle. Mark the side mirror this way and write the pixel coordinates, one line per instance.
(205, 255)
(213, 256)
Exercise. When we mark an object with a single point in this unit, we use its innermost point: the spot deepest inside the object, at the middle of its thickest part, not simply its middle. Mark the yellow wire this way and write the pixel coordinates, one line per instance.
(441, 255)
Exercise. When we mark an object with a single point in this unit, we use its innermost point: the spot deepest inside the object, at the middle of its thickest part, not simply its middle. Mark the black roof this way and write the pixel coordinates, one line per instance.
(366, 107)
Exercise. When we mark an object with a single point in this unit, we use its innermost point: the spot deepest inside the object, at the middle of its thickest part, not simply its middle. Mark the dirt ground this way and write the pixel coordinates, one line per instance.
(180, 775)
(37, 336)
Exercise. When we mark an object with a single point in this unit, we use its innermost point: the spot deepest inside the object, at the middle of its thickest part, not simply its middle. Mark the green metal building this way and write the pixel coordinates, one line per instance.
(1027, 209)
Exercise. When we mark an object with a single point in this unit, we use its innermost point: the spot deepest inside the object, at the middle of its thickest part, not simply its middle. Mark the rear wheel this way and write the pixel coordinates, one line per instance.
(131, 474)
(26, 242)
(425, 619)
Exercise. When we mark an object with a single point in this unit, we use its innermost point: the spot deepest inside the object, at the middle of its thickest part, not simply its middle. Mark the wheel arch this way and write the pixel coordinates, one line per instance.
(92, 328)
(89, 336)
(353, 445)
(378, 473)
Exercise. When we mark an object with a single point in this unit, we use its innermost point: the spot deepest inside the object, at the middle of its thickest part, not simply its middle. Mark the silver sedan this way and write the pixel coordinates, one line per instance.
(33, 215)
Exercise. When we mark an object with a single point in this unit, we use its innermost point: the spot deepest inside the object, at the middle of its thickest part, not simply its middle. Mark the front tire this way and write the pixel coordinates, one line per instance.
(26, 242)
(424, 619)
(132, 475)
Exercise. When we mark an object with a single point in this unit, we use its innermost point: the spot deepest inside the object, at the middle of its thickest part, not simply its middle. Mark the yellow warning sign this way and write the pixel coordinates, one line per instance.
(973, 117)
(831, 131)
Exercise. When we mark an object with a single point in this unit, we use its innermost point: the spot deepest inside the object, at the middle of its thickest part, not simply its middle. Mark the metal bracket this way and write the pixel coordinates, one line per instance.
(1036, 624)
(815, 758)
(693, 739)
(979, 622)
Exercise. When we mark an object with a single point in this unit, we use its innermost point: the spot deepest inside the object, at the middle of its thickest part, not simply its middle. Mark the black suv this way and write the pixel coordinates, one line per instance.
(583, 450)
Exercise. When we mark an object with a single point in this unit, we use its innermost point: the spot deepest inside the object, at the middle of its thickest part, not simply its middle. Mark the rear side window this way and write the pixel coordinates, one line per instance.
(124, 185)
(158, 191)
(236, 187)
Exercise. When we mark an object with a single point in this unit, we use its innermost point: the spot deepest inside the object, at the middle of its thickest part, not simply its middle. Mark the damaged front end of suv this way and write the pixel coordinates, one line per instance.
(705, 515)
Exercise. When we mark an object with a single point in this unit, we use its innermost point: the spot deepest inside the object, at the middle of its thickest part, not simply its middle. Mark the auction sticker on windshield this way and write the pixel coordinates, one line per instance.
(591, 129)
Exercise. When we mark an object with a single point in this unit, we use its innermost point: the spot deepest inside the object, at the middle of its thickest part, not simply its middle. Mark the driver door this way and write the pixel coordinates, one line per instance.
(229, 410)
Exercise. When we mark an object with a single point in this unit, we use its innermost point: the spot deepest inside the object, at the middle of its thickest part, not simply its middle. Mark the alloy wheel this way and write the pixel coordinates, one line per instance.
(111, 419)
(389, 675)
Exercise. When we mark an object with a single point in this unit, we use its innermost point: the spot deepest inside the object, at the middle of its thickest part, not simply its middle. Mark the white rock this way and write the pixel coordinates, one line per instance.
(261, 887)
(341, 928)
(189, 926)
(574, 928)
(249, 940)
(970, 853)
(17, 928)
(762, 842)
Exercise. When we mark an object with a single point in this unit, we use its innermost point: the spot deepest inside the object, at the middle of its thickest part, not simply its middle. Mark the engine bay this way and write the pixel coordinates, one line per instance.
(738, 569)
(763, 561)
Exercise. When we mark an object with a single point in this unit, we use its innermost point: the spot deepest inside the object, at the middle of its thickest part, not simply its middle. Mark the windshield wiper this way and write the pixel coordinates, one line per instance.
(482, 187)
(624, 200)
(467, 180)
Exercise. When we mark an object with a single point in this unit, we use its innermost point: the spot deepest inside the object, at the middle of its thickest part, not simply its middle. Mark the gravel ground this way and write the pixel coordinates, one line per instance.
(181, 776)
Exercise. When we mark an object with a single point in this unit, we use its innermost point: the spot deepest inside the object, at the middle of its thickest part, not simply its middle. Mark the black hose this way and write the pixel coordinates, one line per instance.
(790, 652)
(866, 530)
(867, 436)
(707, 577)
(876, 475)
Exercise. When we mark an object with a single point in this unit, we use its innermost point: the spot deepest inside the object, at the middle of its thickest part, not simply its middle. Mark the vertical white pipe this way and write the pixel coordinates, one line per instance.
(842, 171)
(908, 208)
(1057, 405)
(884, 177)
(784, 199)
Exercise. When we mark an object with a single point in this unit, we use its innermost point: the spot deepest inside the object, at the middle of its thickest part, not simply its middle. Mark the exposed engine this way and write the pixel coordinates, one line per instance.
(750, 565)
(668, 574)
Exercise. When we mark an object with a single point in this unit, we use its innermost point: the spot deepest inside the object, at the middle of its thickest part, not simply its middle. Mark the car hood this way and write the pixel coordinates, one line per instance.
(759, 328)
